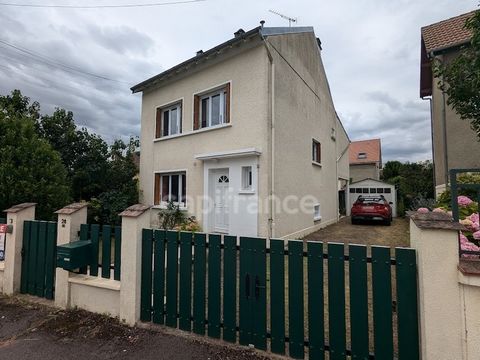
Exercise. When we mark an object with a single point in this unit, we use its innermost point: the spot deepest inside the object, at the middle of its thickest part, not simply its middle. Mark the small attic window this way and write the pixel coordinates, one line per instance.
(362, 155)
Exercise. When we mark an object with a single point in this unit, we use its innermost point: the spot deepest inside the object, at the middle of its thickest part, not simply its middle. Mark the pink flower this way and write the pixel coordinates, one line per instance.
(464, 200)
(476, 235)
(423, 210)
(473, 217)
(439, 210)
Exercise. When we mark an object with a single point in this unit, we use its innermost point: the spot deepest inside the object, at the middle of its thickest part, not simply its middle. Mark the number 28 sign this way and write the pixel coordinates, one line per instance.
(3, 231)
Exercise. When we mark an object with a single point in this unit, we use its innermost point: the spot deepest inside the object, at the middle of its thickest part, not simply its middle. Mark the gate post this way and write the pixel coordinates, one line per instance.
(16, 216)
(134, 219)
(435, 237)
(69, 220)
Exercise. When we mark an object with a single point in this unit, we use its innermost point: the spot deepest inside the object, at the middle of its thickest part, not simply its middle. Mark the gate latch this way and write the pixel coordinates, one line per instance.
(258, 287)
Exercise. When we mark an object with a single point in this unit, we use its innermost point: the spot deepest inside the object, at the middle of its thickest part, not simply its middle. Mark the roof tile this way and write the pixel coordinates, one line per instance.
(372, 149)
(447, 33)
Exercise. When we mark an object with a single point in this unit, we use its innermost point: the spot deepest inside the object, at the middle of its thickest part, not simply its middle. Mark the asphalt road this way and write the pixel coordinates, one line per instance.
(35, 331)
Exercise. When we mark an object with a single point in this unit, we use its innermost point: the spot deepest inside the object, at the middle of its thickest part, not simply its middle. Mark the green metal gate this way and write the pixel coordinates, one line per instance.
(289, 298)
(38, 258)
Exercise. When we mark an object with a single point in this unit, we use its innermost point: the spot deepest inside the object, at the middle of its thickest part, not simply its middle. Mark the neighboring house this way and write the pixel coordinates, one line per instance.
(239, 132)
(454, 143)
(365, 159)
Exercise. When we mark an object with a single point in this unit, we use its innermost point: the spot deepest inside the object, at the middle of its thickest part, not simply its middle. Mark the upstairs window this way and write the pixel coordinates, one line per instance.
(316, 152)
(169, 120)
(212, 108)
(362, 155)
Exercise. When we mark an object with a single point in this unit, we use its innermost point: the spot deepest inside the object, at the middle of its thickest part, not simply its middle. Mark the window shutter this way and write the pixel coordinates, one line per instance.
(319, 145)
(227, 103)
(156, 200)
(158, 124)
(196, 112)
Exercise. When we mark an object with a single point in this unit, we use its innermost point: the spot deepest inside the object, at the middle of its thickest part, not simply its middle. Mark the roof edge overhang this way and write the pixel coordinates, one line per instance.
(194, 60)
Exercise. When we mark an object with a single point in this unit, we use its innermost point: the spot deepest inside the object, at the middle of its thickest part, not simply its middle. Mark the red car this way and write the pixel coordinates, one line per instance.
(371, 208)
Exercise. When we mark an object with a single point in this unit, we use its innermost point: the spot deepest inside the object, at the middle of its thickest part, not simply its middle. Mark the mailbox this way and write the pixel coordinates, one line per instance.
(74, 255)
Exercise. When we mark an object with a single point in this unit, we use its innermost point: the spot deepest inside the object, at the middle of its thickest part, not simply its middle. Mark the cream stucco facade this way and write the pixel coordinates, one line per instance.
(279, 102)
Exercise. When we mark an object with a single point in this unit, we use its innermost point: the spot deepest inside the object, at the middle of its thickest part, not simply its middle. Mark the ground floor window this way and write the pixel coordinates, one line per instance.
(170, 187)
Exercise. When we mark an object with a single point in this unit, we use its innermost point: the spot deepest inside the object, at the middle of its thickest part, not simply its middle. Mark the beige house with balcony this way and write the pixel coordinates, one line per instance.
(454, 144)
(245, 136)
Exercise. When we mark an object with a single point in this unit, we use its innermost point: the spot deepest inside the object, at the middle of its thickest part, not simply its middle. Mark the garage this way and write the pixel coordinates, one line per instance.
(371, 187)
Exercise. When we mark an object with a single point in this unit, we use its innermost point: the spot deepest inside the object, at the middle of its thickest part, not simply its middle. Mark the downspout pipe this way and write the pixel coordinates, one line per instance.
(271, 217)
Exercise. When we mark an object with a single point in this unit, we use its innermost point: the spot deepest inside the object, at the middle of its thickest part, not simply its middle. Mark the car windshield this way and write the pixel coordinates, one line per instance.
(371, 200)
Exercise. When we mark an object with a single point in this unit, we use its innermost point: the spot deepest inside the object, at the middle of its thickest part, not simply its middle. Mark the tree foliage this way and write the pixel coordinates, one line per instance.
(414, 181)
(56, 162)
(30, 169)
(460, 78)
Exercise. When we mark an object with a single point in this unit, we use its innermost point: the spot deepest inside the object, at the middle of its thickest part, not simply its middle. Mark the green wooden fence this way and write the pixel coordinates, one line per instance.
(38, 258)
(106, 249)
(298, 299)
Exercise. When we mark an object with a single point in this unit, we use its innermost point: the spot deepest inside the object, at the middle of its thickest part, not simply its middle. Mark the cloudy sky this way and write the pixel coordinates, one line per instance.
(371, 51)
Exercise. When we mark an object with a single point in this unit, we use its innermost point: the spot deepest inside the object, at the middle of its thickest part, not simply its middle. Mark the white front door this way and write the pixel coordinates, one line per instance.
(221, 186)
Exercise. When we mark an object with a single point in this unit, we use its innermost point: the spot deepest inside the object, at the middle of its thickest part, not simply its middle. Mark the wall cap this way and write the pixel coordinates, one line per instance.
(436, 220)
(19, 207)
(135, 210)
(469, 267)
(72, 208)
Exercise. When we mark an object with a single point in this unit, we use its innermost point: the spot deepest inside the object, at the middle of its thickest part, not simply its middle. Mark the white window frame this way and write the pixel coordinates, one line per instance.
(223, 110)
(317, 215)
(164, 203)
(178, 120)
(247, 178)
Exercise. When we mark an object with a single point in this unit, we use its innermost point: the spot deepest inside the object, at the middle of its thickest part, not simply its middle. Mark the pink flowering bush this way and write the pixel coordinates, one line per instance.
(423, 210)
(464, 201)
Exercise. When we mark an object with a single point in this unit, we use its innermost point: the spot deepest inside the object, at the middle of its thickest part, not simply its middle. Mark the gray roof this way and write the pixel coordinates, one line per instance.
(240, 36)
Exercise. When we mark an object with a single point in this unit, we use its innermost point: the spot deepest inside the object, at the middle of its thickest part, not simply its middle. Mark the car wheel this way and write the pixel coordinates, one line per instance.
(388, 222)
(354, 222)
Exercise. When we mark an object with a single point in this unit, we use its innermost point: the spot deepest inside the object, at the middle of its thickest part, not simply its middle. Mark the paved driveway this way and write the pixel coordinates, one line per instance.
(371, 233)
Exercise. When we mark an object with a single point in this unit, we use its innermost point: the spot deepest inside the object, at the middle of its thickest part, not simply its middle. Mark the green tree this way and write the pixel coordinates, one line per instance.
(30, 170)
(414, 182)
(123, 187)
(460, 78)
(85, 155)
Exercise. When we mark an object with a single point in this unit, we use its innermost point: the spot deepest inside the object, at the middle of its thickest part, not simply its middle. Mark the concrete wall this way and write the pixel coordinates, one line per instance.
(95, 294)
(360, 172)
(462, 145)
(303, 113)
(2, 266)
(247, 70)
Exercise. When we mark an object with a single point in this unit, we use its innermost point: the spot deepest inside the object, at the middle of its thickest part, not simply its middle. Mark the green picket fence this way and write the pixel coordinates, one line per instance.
(106, 249)
(38, 258)
(3, 221)
(303, 299)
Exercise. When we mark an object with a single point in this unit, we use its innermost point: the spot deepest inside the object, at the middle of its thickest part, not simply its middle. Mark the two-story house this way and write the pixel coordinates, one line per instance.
(245, 136)
(454, 144)
(365, 159)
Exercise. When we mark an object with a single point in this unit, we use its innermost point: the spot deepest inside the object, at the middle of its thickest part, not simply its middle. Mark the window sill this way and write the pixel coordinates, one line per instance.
(317, 218)
(316, 164)
(211, 128)
(164, 207)
(246, 192)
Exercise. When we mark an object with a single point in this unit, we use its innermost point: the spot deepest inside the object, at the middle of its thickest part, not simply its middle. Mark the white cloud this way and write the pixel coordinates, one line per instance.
(371, 51)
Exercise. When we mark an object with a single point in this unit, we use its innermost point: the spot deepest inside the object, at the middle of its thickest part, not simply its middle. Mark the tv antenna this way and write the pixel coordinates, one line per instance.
(290, 19)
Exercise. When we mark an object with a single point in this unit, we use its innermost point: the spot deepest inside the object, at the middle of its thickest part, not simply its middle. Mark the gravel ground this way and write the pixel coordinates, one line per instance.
(36, 331)
(368, 233)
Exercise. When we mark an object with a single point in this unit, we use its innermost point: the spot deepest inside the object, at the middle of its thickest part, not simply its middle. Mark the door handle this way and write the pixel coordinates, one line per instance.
(258, 287)
(247, 286)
